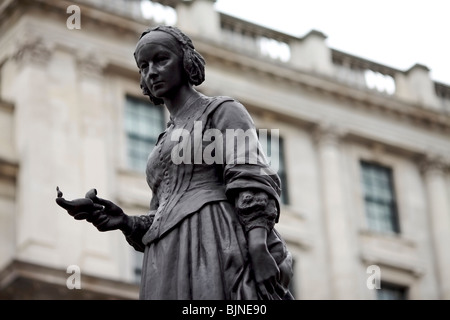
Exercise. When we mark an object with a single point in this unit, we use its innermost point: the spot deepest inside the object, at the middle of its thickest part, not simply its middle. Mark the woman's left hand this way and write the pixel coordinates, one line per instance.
(265, 268)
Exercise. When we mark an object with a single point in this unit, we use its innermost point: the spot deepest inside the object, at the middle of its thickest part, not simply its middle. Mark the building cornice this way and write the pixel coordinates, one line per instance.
(370, 100)
(217, 53)
(19, 273)
(6, 106)
(8, 169)
(108, 20)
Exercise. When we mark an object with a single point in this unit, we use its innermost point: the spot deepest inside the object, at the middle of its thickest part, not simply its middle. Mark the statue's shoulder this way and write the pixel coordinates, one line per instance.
(227, 111)
(219, 100)
(226, 104)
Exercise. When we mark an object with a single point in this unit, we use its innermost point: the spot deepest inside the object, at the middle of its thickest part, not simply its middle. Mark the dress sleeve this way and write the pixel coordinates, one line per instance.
(256, 210)
(140, 226)
(250, 183)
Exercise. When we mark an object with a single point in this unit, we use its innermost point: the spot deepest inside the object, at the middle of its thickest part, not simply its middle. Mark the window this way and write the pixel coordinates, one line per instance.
(380, 204)
(270, 148)
(389, 291)
(143, 123)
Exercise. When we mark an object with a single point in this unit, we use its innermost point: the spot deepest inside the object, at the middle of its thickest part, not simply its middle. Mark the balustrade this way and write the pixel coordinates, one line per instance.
(259, 41)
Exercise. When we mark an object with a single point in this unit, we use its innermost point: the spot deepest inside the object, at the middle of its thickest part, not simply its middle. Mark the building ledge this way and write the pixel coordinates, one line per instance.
(22, 280)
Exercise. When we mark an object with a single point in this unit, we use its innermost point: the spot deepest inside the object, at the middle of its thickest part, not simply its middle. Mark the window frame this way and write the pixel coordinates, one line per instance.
(128, 135)
(394, 219)
(403, 290)
(284, 197)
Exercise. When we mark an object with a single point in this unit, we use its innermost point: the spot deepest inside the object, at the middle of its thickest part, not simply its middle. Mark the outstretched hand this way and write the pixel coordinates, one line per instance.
(80, 209)
(103, 214)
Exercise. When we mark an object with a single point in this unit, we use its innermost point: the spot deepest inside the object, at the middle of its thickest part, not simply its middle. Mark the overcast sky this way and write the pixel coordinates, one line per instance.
(397, 33)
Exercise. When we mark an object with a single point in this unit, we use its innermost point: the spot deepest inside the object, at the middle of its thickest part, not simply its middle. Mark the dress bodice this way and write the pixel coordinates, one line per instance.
(182, 180)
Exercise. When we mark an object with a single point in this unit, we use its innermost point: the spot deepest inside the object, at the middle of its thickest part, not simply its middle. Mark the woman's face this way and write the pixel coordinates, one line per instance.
(161, 69)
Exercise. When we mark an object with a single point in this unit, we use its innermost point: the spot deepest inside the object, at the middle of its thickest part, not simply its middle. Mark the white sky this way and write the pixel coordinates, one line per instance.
(396, 33)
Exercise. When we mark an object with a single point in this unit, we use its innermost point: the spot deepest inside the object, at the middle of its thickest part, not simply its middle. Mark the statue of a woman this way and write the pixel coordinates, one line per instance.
(209, 233)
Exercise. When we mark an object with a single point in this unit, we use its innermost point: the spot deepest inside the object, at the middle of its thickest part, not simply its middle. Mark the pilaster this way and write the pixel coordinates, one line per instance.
(433, 168)
(34, 238)
(337, 222)
(95, 157)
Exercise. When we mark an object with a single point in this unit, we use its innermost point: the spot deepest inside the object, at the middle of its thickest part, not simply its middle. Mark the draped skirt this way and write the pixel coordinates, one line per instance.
(204, 257)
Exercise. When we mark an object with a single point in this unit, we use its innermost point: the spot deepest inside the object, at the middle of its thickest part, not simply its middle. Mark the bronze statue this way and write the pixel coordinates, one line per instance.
(209, 233)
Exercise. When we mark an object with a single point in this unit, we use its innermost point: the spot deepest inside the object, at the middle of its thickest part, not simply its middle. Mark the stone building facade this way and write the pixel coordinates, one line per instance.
(364, 158)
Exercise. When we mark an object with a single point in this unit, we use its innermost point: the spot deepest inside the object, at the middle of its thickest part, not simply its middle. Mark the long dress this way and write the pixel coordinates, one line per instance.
(194, 238)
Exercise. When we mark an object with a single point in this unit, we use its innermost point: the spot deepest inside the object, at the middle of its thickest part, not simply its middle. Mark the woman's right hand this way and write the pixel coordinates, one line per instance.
(103, 214)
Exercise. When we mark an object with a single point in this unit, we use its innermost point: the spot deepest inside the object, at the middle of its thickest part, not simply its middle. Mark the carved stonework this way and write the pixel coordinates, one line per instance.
(90, 65)
(327, 133)
(33, 50)
(433, 164)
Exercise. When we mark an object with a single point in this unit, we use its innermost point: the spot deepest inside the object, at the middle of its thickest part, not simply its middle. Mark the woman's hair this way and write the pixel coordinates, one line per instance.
(193, 62)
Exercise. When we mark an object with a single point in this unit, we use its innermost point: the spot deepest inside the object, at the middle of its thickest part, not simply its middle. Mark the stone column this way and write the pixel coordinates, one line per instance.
(439, 215)
(97, 160)
(94, 120)
(34, 236)
(337, 222)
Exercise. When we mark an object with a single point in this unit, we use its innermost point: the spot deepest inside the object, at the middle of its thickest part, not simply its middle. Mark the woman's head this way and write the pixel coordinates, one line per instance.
(177, 44)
